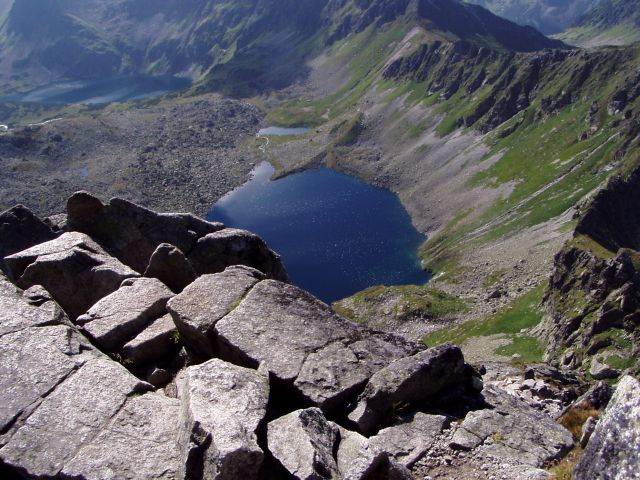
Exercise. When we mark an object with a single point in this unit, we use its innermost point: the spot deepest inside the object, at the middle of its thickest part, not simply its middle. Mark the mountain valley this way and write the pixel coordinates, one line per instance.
(516, 154)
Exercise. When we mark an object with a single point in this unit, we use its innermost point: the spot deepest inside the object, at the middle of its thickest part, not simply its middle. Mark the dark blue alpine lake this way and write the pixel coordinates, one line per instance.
(336, 234)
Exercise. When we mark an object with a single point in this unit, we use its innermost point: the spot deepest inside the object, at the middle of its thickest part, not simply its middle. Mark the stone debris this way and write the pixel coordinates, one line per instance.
(243, 370)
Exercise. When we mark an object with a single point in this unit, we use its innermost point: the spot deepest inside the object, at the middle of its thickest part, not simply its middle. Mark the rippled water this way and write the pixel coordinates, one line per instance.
(337, 235)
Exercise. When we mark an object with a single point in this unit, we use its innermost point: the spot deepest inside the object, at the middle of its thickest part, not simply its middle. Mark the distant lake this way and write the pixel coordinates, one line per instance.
(91, 92)
(336, 234)
(281, 131)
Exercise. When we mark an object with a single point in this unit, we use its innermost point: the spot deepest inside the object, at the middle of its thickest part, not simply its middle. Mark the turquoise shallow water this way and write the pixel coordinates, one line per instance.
(116, 89)
(337, 235)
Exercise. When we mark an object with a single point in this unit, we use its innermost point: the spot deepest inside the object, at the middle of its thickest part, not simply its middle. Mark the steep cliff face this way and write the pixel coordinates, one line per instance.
(593, 299)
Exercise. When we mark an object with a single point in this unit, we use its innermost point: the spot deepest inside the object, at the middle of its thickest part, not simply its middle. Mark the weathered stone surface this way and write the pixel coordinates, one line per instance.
(518, 433)
(280, 325)
(73, 268)
(19, 261)
(37, 352)
(122, 315)
(132, 233)
(21, 229)
(406, 442)
(222, 407)
(140, 443)
(169, 265)
(409, 380)
(71, 415)
(613, 450)
(58, 222)
(203, 303)
(330, 375)
(303, 442)
(155, 342)
(358, 461)
(216, 251)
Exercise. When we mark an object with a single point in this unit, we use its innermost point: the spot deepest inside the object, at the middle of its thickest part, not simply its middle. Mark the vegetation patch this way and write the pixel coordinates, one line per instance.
(525, 312)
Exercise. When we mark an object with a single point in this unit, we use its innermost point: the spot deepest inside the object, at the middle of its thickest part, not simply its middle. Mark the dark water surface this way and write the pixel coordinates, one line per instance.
(116, 89)
(336, 234)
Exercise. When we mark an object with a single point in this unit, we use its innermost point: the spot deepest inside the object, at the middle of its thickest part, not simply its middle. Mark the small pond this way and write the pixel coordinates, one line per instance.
(336, 234)
(281, 131)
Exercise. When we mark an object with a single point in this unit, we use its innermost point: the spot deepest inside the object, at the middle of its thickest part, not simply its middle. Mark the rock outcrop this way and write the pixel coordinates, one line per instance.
(410, 380)
(73, 268)
(132, 233)
(119, 317)
(593, 299)
(19, 230)
(613, 450)
(222, 407)
(108, 374)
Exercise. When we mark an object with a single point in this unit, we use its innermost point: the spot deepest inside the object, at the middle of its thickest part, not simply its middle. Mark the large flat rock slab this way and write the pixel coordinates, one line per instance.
(303, 343)
(613, 450)
(222, 407)
(19, 261)
(69, 417)
(138, 444)
(203, 303)
(21, 229)
(410, 380)
(215, 252)
(122, 315)
(131, 232)
(280, 325)
(73, 268)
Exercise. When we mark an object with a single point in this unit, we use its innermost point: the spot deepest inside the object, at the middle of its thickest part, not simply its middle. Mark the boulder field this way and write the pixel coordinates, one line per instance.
(141, 345)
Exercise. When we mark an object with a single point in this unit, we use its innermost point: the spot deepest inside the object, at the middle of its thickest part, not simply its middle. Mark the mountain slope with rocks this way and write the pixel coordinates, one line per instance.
(235, 46)
(609, 22)
(235, 373)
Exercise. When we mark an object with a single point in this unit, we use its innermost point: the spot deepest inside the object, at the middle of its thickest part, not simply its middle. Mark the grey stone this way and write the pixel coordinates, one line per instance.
(512, 431)
(131, 232)
(222, 408)
(587, 430)
(119, 317)
(614, 448)
(58, 222)
(169, 265)
(407, 441)
(329, 376)
(19, 261)
(139, 443)
(37, 295)
(600, 371)
(21, 229)
(73, 268)
(203, 303)
(303, 442)
(358, 461)
(17, 313)
(69, 417)
(217, 251)
(157, 341)
(33, 361)
(280, 325)
(409, 380)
